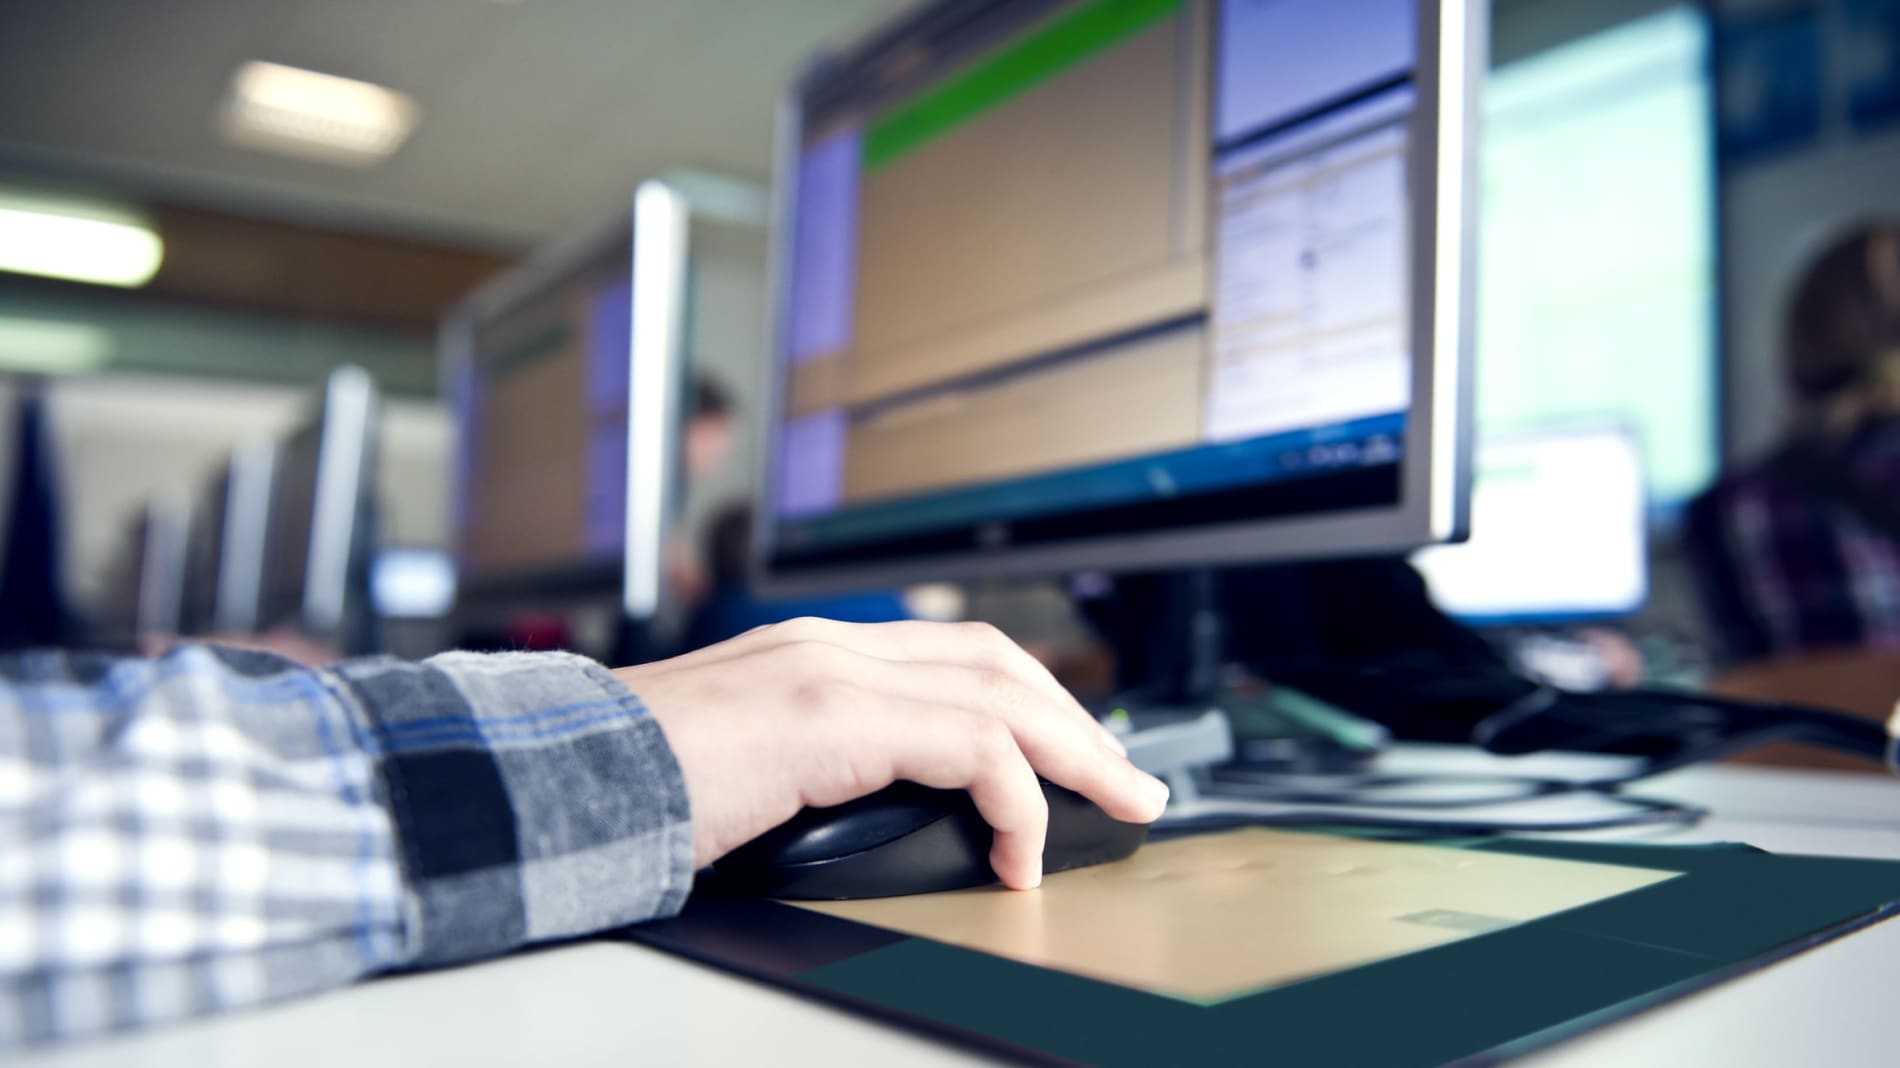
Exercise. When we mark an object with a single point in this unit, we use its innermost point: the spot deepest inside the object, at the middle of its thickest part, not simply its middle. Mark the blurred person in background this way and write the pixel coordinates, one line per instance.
(708, 433)
(706, 444)
(1800, 554)
(730, 607)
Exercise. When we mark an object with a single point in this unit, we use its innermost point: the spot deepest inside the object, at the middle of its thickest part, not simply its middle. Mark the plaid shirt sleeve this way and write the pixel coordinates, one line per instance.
(214, 828)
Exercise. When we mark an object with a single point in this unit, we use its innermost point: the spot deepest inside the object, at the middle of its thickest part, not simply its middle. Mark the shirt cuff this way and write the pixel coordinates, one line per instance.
(534, 799)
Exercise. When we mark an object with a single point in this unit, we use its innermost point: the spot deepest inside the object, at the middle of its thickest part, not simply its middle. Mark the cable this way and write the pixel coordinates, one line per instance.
(1667, 730)
(1646, 812)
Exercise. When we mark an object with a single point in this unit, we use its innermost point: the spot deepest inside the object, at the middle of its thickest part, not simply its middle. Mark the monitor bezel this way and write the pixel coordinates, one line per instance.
(1434, 502)
(346, 448)
(248, 487)
(159, 590)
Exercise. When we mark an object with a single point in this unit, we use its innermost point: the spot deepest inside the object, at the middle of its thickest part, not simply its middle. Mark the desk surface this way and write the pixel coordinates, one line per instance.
(616, 1004)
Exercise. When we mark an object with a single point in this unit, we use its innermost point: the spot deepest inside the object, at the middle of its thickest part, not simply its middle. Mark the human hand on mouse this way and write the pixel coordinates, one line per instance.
(816, 713)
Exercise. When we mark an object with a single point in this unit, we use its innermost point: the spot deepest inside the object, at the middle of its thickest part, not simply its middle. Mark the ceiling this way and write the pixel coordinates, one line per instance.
(537, 115)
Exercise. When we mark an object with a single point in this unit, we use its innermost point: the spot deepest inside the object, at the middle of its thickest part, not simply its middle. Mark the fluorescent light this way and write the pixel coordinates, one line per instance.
(320, 116)
(45, 346)
(77, 241)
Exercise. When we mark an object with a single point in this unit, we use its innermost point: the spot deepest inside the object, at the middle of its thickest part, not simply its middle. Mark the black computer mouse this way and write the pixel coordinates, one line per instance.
(909, 839)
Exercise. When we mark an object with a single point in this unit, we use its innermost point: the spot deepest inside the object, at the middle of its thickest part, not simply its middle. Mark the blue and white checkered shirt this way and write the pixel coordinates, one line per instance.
(217, 828)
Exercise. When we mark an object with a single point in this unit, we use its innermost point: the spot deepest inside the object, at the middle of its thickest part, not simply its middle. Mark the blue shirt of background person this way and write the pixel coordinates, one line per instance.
(731, 608)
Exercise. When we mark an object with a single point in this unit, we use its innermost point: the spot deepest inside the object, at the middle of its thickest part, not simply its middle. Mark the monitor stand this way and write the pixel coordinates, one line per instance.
(1169, 657)
(1169, 640)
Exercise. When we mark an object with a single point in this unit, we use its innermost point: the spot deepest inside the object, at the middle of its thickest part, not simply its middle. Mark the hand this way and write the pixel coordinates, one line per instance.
(816, 713)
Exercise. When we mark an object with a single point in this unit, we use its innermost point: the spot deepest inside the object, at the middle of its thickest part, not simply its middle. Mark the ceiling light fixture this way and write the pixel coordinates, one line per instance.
(318, 116)
(77, 241)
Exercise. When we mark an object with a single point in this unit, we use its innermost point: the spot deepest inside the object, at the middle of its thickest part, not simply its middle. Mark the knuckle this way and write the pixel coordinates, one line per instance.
(800, 628)
(805, 657)
(1001, 691)
(982, 633)
(993, 741)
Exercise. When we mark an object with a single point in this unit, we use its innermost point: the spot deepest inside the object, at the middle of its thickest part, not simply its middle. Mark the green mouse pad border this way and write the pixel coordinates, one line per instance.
(1733, 908)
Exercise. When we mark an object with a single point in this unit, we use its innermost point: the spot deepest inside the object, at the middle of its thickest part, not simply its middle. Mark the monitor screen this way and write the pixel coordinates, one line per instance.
(542, 411)
(1090, 274)
(1558, 531)
(412, 583)
(1597, 252)
(557, 484)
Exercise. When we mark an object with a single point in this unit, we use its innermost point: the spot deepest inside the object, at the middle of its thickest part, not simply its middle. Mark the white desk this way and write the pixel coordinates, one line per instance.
(618, 1004)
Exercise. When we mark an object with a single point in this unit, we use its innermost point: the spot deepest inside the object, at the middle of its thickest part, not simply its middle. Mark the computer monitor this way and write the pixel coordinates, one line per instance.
(1597, 263)
(1124, 285)
(224, 566)
(565, 375)
(145, 592)
(1558, 531)
(321, 525)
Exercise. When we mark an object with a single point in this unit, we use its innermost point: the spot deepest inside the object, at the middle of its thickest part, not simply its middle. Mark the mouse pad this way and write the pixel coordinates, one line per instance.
(1218, 916)
(1299, 948)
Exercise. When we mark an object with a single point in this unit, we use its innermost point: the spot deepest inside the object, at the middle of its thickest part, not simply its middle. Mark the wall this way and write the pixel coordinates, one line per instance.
(1779, 212)
(727, 341)
(133, 333)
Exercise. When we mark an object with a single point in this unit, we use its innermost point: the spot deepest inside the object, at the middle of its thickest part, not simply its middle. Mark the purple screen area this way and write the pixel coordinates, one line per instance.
(610, 347)
(1280, 58)
(824, 274)
(811, 467)
(825, 246)
(606, 522)
(609, 367)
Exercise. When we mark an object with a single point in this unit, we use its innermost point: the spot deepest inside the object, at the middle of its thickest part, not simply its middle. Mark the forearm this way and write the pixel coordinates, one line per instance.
(212, 830)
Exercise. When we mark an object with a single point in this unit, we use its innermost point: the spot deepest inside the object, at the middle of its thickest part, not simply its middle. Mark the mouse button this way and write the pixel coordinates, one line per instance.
(1082, 834)
(819, 834)
(947, 854)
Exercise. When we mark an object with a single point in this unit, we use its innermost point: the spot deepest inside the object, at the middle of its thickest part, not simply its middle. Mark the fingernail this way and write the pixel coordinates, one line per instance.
(1156, 790)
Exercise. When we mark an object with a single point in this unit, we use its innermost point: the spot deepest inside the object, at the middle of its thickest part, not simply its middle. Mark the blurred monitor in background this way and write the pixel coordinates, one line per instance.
(1597, 249)
(146, 599)
(224, 565)
(31, 531)
(1559, 531)
(322, 520)
(566, 375)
